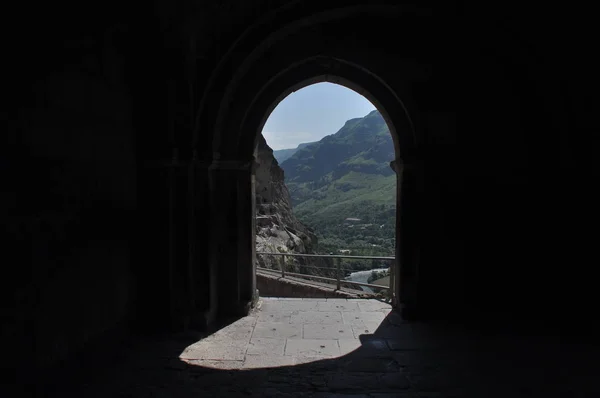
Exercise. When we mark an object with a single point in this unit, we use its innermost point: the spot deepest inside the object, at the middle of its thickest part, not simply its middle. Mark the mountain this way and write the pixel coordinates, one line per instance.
(344, 188)
(283, 154)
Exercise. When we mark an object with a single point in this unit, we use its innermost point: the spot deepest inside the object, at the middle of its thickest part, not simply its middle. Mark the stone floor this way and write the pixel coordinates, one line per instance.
(287, 332)
(342, 348)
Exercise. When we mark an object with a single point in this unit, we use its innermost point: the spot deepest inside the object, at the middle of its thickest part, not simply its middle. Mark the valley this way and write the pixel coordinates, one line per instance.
(333, 196)
(343, 188)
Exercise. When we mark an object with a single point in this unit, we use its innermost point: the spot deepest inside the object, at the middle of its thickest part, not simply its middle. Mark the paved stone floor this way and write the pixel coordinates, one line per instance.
(286, 332)
(344, 348)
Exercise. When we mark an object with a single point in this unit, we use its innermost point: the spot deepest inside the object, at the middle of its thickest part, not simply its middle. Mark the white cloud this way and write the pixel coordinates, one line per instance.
(288, 140)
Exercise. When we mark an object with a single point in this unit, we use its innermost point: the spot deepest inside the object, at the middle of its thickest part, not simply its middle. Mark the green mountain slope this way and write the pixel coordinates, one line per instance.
(283, 154)
(345, 176)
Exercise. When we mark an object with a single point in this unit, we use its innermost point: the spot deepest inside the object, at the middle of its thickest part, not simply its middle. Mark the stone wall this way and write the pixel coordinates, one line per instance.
(86, 193)
(96, 146)
(70, 208)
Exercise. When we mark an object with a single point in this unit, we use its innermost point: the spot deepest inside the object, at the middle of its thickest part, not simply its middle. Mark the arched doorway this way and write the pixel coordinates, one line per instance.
(248, 128)
(324, 186)
(236, 116)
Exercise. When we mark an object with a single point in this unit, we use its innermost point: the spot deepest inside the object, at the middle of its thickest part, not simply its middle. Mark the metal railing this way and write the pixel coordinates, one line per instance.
(338, 279)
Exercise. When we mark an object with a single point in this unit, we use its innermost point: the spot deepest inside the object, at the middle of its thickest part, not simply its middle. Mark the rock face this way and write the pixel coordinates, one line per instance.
(277, 229)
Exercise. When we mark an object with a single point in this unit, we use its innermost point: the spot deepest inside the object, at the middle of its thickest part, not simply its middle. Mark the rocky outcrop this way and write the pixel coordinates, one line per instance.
(277, 229)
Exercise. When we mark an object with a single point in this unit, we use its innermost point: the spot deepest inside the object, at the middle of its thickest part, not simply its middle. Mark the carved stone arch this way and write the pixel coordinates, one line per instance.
(242, 105)
(327, 69)
(271, 31)
(244, 126)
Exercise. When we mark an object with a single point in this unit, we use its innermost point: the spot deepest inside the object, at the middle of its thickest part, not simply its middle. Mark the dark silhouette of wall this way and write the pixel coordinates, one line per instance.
(128, 136)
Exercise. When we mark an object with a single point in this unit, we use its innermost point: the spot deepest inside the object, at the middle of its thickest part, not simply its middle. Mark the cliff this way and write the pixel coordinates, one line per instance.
(277, 229)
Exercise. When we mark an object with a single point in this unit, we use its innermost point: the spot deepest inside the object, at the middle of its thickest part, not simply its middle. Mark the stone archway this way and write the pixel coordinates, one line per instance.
(323, 69)
(310, 71)
(240, 108)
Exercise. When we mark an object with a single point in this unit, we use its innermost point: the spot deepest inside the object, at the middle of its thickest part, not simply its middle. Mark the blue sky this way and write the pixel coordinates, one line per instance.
(311, 113)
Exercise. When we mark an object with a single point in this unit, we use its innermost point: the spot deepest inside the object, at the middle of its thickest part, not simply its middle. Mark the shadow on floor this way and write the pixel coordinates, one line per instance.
(399, 359)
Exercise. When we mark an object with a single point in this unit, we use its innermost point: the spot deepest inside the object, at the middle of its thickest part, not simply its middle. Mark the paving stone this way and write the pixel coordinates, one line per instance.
(281, 376)
(314, 298)
(334, 395)
(347, 346)
(418, 337)
(327, 332)
(291, 381)
(277, 330)
(290, 298)
(394, 318)
(362, 318)
(320, 364)
(373, 305)
(394, 381)
(412, 344)
(448, 393)
(213, 378)
(352, 381)
(265, 361)
(317, 317)
(223, 365)
(338, 305)
(245, 379)
(249, 320)
(265, 346)
(357, 363)
(233, 350)
(312, 348)
(232, 332)
(389, 331)
(435, 381)
(281, 316)
(298, 305)
(367, 348)
(385, 311)
(367, 328)
(423, 362)
(270, 306)
(337, 300)
(272, 392)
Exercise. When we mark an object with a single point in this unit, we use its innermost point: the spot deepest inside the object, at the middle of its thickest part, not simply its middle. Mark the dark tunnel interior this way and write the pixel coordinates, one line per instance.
(127, 203)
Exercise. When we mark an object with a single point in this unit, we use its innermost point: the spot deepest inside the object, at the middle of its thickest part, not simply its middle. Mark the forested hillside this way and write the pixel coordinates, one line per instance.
(343, 187)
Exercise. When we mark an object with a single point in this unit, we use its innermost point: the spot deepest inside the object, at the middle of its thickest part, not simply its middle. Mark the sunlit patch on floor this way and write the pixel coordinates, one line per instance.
(293, 332)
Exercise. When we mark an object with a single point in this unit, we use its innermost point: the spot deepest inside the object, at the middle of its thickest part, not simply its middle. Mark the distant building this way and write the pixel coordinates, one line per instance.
(344, 251)
(352, 219)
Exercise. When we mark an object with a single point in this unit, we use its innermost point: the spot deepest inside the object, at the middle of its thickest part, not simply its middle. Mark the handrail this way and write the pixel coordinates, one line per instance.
(327, 279)
(338, 269)
(327, 256)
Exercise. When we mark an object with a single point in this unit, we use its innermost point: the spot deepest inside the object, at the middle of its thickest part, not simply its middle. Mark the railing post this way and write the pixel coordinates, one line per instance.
(283, 266)
(338, 266)
(392, 273)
